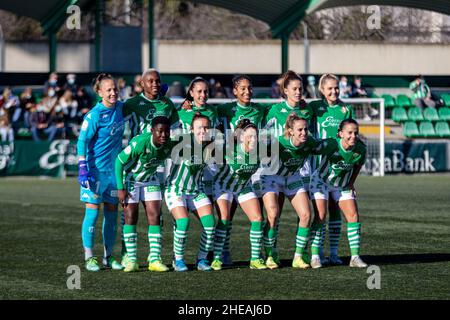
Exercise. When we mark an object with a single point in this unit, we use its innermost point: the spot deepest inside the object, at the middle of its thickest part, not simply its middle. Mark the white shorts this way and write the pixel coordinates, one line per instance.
(289, 186)
(320, 191)
(191, 202)
(144, 192)
(241, 196)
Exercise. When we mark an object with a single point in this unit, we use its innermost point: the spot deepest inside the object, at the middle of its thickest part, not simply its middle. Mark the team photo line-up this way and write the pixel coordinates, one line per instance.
(202, 158)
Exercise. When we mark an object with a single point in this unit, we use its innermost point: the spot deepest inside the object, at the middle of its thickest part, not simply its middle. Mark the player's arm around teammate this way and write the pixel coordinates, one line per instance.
(291, 88)
(139, 161)
(99, 142)
(185, 193)
(334, 179)
(233, 183)
(329, 112)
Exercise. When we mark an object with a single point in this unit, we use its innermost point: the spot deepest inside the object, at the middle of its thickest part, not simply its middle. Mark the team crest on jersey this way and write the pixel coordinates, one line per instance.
(355, 155)
(344, 109)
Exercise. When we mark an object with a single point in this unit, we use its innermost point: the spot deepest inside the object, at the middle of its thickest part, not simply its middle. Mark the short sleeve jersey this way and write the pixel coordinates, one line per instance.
(236, 172)
(140, 110)
(328, 117)
(186, 116)
(337, 164)
(278, 113)
(141, 158)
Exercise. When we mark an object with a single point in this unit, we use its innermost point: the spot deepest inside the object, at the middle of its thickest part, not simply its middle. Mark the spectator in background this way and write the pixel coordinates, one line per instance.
(312, 91)
(84, 102)
(9, 101)
(137, 88)
(345, 88)
(68, 105)
(421, 93)
(359, 91)
(58, 120)
(124, 91)
(71, 84)
(275, 91)
(52, 82)
(219, 91)
(21, 116)
(41, 121)
(6, 132)
(176, 90)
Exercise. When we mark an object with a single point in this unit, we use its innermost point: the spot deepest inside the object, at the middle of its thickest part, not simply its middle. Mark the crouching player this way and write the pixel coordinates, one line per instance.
(295, 147)
(137, 181)
(184, 192)
(340, 165)
(233, 182)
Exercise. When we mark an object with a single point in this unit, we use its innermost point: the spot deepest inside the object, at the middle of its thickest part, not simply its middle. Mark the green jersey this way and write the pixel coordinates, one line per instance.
(337, 164)
(328, 117)
(137, 163)
(238, 169)
(420, 91)
(140, 111)
(186, 116)
(278, 113)
(291, 158)
(187, 168)
(231, 113)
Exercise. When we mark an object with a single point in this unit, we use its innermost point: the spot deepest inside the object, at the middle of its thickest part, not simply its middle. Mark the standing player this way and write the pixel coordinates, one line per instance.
(291, 90)
(233, 183)
(99, 143)
(185, 192)
(230, 114)
(139, 161)
(196, 102)
(139, 112)
(335, 177)
(329, 112)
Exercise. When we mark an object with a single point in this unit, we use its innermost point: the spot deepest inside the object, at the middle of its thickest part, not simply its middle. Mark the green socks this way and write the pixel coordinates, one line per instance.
(256, 235)
(220, 237)
(130, 239)
(316, 236)
(179, 238)
(154, 241)
(301, 240)
(354, 238)
(207, 236)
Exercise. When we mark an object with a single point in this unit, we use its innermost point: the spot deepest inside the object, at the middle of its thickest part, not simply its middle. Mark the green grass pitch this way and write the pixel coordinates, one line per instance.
(405, 231)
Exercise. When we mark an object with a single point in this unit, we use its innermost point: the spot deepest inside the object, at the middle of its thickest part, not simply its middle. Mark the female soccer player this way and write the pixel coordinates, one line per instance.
(139, 161)
(291, 90)
(99, 143)
(229, 115)
(185, 192)
(139, 112)
(197, 96)
(294, 149)
(233, 183)
(329, 112)
(339, 166)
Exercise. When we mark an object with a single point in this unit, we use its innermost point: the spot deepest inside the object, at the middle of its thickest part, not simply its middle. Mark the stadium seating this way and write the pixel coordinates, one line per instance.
(430, 114)
(426, 130)
(442, 129)
(444, 113)
(403, 101)
(446, 98)
(410, 129)
(415, 114)
(389, 101)
(399, 114)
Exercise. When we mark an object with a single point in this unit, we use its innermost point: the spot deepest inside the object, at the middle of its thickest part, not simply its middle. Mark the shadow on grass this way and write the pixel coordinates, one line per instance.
(371, 259)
